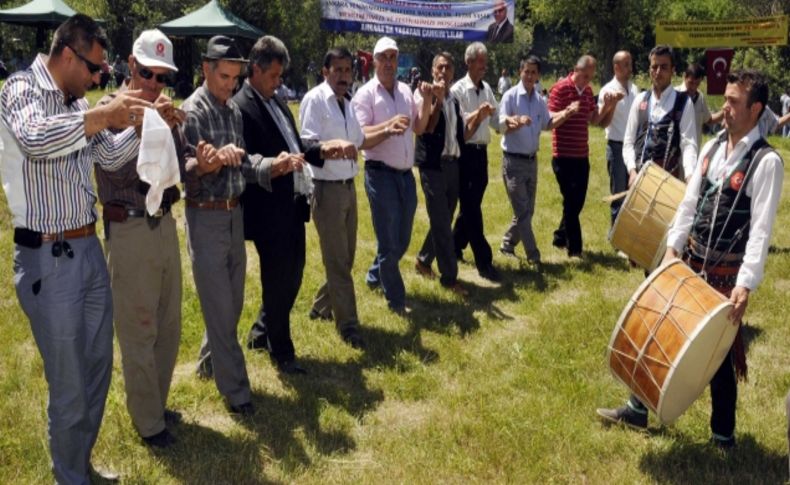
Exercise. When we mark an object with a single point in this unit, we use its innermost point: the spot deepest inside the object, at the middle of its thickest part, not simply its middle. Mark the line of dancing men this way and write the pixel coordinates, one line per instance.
(250, 174)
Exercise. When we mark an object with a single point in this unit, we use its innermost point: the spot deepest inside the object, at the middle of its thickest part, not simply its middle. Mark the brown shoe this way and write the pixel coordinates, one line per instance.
(458, 289)
(424, 270)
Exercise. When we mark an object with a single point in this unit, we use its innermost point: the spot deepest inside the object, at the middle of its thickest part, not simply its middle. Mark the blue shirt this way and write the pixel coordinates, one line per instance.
(516, 102)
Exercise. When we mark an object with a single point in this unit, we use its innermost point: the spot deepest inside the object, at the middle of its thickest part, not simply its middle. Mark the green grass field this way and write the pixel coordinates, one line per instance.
(500, 389)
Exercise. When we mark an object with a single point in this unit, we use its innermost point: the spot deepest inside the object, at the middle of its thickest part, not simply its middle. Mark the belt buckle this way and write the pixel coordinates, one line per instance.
(159, 213)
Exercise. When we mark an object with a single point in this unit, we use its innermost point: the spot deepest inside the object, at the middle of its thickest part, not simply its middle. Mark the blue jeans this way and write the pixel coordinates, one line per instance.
(393, 202)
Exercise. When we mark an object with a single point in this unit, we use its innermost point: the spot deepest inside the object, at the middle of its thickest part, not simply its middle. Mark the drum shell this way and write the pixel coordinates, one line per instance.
(670, 339)
(641, 227)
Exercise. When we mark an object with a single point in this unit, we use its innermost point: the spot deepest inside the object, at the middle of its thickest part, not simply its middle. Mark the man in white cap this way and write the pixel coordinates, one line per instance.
(143, 259)
(386, 105)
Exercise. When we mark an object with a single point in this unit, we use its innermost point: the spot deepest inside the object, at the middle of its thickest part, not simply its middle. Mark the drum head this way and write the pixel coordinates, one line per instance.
(696, 363)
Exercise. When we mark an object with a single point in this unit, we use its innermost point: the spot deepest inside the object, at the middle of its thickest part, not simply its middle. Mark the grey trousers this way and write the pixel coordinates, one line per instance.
(215, 240)
(69, 304)
(334, 211)
(521, 182)
(441, 198)
(145, 273)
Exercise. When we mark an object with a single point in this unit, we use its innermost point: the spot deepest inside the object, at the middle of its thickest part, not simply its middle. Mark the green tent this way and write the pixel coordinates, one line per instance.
(210, 20)
(40, 13)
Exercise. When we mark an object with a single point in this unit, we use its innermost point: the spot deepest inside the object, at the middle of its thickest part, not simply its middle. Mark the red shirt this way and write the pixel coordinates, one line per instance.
(571, 139)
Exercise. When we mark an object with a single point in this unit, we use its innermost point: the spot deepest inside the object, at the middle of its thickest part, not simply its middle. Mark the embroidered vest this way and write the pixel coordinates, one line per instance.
(730, 228)
(660, 141)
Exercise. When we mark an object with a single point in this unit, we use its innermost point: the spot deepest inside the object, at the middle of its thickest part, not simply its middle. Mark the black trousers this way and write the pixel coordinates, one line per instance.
(618, 174)
(724, 396)
(473, 177)
(282, 259)
(441, 198)
(572, 174)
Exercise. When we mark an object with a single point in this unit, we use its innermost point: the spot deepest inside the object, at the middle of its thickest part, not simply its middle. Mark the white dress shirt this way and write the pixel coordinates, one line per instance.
(764, 189)
(616, 129)
(322, 120)
(470, 99)
(657, 109)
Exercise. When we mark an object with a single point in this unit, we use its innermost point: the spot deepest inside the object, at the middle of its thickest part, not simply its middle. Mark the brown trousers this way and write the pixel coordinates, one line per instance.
(145, 273)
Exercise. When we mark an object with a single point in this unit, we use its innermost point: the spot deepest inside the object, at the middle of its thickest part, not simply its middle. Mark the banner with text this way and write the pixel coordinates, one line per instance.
(483, 20)
(753, 32)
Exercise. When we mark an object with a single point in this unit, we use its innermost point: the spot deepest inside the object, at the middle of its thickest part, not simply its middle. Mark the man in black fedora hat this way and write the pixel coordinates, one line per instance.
(216, 164)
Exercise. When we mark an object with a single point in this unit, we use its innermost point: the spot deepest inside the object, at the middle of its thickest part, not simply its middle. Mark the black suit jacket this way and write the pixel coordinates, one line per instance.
(505, 33)
(268, 214)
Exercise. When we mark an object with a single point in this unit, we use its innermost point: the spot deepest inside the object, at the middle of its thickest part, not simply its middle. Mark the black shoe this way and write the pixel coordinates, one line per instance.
(724, 445)
(624, 415)
(490, 273)
(315, 315)
(259, 343)
(162, 439)
(205, 369)
(100, 474)
(290, 367)
(352, 337)
(173, 417)
(246, 409)
(506, 251)
(559, 243)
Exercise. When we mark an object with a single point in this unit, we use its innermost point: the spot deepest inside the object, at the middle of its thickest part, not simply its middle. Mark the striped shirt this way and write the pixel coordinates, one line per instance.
(46, 159)
(571, 138)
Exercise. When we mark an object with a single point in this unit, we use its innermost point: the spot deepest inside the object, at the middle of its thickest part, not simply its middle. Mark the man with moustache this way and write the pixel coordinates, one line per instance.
(328, 120)
(722, 230)
(216, 172)
(275, 207)
(436, 154)
(49, 142)
(143, 259)
(523, 114)
(615, 131)
(386, 105)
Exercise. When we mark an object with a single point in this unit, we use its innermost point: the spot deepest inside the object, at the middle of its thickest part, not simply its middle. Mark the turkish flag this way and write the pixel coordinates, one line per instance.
(717, 68)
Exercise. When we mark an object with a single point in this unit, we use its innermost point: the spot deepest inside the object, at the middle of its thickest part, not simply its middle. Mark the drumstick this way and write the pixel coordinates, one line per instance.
(614, 197)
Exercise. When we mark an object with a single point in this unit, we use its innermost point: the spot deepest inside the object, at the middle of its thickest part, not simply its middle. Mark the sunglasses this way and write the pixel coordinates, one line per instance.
(500, 10)
(92, 68)
(146, 73)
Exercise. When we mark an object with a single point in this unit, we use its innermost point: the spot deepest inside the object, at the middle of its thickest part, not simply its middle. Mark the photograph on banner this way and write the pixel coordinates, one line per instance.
(748, 32)
(489, 21)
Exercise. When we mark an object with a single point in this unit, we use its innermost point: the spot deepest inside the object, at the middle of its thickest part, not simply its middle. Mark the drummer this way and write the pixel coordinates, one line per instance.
(723, 230)
(661, 126)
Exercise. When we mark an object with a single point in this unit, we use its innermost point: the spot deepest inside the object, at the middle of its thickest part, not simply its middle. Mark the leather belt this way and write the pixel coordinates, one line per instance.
(477, 146)
(224, 204)
(377, 165)
(342, 181)
(520, 155)
(80, 232)
(144, 213)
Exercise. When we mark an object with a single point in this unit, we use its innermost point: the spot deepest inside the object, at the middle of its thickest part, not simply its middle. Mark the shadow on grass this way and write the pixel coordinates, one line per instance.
(605, 259)
(203, 455)
(777, 250)
(694, 462)
(749, 333)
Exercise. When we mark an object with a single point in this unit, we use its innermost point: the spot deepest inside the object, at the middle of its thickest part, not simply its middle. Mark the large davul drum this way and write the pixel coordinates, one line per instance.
(671, 338)
(640, 229)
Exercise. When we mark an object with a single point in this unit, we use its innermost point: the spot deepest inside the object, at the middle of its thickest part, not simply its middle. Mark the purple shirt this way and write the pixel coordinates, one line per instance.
(373, 105)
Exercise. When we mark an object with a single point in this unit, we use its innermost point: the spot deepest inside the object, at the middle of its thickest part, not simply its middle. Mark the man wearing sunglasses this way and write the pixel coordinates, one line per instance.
(50, 141)
(143, 258)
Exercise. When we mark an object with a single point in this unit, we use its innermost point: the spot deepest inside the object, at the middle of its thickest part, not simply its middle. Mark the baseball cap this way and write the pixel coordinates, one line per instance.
(223, 48)
(153, 49)
(384, 44)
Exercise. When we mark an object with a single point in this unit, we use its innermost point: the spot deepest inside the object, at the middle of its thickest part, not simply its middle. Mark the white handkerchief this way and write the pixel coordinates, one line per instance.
(157, 163)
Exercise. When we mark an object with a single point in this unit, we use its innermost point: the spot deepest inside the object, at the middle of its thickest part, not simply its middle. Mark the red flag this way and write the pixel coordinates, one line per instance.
(365, 63)
(717, 68)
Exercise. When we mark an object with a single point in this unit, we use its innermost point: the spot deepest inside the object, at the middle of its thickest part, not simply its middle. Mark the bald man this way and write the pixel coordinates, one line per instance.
(620, 84)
